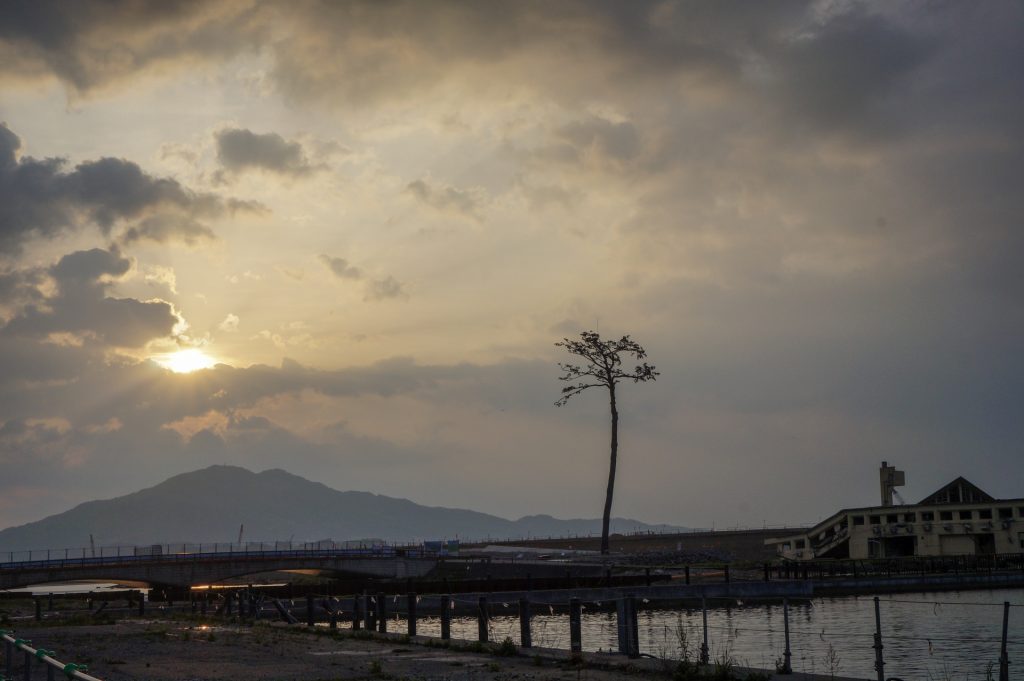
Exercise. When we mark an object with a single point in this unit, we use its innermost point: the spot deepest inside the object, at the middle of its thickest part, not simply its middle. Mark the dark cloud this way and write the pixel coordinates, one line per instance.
(239, 149)
(82, 308)
(375, 289)
(383, 289)
(447, 199)
(39, 198)
(340, 267)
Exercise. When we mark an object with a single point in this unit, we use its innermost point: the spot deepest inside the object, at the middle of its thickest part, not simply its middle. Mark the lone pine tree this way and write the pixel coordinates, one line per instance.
(603, 369)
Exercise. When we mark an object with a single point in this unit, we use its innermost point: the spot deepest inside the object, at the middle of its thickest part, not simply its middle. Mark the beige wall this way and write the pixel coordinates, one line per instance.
(884, 531)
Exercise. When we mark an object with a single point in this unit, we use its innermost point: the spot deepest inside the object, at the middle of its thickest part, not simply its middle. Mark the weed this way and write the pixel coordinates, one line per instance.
(538, 661)
(376, 668)
(493, 667)
(506, 648)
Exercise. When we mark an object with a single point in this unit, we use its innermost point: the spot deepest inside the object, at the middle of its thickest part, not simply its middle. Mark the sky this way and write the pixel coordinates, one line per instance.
(371, 222)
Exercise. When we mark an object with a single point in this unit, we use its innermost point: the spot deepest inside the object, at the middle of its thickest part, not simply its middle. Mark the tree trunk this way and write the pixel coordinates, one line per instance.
(606, 520)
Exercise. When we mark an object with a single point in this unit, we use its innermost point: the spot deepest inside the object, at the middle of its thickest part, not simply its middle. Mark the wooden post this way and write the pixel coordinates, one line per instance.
(382, 612)
(575, 627)
(8, 658)
(767, 573)
(1004, 659)
(879, 660)
(368, 611)
(446, 617)
(356, 613)
(203, 605)
(28, 666)
(525, 635)
(411, 612)
(481, 620)
(39, 610)
(787, 666)
(49, 604)
(309, 611)
(632, 629)
(704, 652)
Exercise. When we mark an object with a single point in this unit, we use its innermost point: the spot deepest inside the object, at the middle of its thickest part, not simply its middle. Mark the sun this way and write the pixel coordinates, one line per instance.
(185, 361)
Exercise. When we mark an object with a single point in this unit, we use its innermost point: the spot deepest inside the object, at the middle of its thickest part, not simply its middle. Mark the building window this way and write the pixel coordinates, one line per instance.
(1005, 513)
(946, 515)
(909, 517)
(985, 514)
(858, 520)
(800, 543)
(966, 515)
(892, 518)
(876, 520)
(927, 516)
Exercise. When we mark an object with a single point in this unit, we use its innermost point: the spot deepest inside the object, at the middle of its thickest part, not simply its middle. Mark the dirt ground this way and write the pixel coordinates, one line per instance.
(177, 650)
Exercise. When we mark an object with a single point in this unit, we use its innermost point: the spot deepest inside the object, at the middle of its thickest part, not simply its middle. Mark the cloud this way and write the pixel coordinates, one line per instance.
(466, 203)
(383, 289)
(230, 323)
(39, 198)
(239, 149)
(375, 289)
(81, 307)
(340, 267)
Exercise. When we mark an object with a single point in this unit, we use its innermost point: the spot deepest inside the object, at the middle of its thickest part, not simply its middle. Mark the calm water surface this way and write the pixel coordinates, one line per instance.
(948, 635)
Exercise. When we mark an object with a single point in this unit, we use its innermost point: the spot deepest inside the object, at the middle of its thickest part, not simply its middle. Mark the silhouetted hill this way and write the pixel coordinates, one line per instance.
(209, 505)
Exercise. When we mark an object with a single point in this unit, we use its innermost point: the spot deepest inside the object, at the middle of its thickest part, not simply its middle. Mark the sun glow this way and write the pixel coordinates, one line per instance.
(185, 361)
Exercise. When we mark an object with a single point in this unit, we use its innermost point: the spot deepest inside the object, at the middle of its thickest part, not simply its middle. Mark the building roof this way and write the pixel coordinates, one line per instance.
(960, 491)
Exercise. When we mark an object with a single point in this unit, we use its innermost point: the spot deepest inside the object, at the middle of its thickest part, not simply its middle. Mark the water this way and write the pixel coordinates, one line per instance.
(948, 635)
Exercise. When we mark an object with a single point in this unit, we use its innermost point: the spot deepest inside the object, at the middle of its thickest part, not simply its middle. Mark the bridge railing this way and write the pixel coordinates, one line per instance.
(107, 555)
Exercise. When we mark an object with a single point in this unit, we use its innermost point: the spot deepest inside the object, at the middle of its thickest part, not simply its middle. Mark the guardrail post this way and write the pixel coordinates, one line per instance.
(382, 612)
(879, 660)
(8, 658)
(28, 666)
(705, 657)
(446, 617)
(309, 611)
(481, 620)
(525, 635)
(575, 627)
(787, 667)
(1004, 659)
(411, 612)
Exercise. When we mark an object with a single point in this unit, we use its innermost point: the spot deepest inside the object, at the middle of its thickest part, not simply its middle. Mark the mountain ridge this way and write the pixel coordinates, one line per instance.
(209, 505)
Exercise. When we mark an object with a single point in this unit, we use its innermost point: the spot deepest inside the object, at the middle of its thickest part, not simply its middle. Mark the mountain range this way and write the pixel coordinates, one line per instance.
(211, 504)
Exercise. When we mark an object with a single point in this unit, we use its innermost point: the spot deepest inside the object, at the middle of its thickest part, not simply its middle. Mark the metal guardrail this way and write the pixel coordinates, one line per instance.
(41, 656)
(380, 552)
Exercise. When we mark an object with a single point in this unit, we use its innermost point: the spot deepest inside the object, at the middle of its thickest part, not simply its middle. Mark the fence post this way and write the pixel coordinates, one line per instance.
(28, 666)
(382, 612)
(575, 627)
(879, 660)
(787, 667)
(1004, 659)
(481, 620)
(368, 612)
(633, 629)
(8, 658)
(309, 610)
(525, 635)
(411, 610)
(704, 656)
(357, 617)
(767, 573)
(446, 617)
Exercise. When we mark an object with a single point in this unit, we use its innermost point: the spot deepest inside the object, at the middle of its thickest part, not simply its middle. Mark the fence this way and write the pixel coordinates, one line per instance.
(38, 656)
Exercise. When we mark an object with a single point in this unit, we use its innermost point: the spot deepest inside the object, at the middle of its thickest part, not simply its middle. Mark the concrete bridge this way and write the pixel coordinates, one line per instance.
(191, 569)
